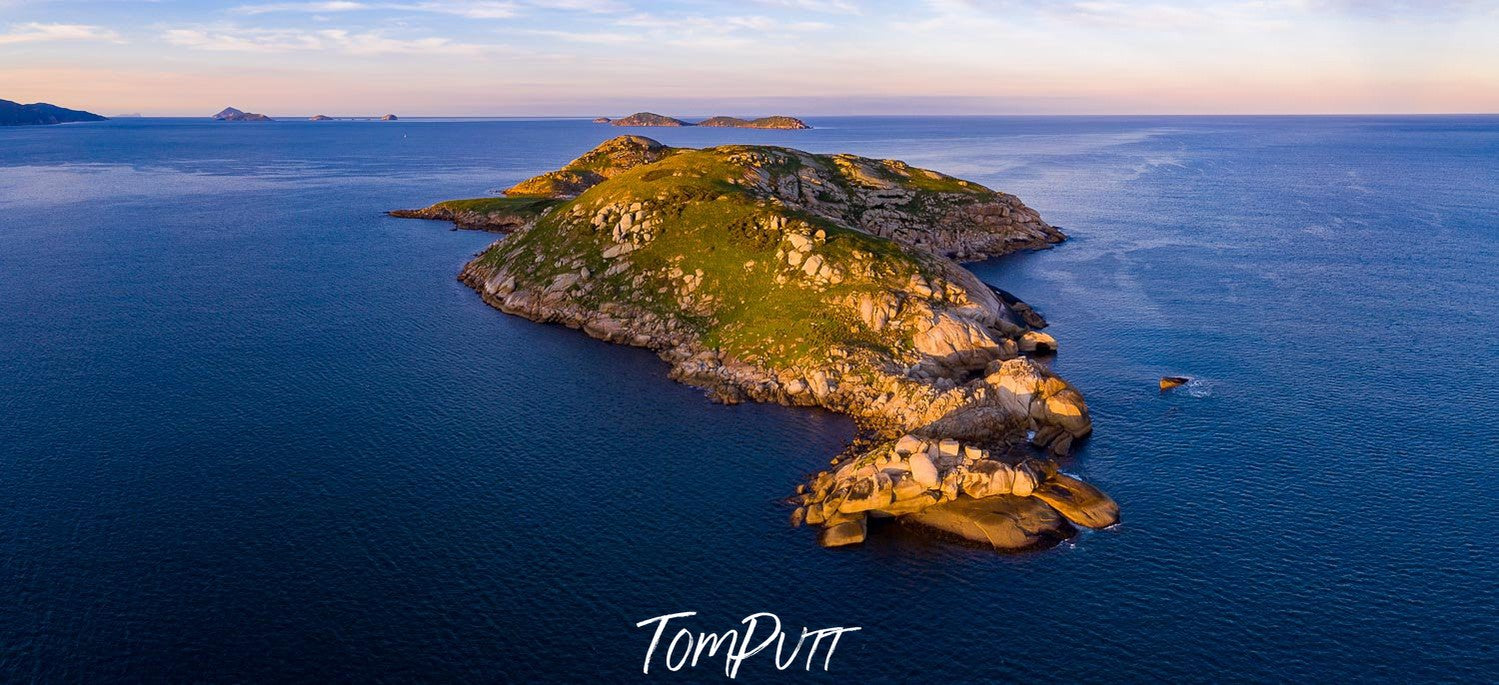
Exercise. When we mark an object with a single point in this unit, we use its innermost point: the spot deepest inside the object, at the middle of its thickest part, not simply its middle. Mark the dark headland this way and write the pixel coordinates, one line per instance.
(774, 275)
(41, 113)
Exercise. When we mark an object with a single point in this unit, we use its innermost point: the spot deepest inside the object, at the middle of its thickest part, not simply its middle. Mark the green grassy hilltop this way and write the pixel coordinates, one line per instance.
(763, 253)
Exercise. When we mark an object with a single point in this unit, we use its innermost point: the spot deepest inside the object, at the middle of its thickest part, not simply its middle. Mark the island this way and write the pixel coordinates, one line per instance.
(648, 119)
(389, 117)
(41, 114)
(778, 122)
(775, 275)
(653, 119)
(320, 117)
(232, 114)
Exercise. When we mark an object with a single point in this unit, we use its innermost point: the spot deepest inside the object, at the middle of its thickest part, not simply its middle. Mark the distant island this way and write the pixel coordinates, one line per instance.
(232, 114)
(648, 119)
(134, 115)
(775, 275)
(763, 122)
(653, 119)
(41, 113)
(324, 117)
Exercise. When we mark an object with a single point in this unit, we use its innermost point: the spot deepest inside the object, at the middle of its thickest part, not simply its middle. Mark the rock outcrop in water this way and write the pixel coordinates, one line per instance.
(41, 114)
(1169, 382)
(775, 275)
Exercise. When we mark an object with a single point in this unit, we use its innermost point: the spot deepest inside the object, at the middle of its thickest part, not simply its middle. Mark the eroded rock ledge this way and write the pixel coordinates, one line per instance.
(775, 275)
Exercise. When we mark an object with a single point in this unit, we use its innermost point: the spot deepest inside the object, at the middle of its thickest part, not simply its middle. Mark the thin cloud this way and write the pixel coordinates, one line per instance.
(718, 26)
(1164, 15)
(337, 6)
(1187, 16)
(471, 9)
(39, 33)
(477, 9)
(236, 39)
(598, 6)
(824, 6)
(715, 33)
(1175, 16)
(595, 37)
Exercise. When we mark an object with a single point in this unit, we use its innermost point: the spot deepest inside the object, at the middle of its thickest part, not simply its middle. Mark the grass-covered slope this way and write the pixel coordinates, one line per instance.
(603, 162)
(777, 275)
(683, 240)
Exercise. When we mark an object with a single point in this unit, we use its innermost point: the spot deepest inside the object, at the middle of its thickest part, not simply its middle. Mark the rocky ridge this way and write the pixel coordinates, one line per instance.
(770, 274)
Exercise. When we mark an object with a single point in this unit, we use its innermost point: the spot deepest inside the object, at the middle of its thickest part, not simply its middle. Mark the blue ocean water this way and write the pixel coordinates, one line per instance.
(251, 429)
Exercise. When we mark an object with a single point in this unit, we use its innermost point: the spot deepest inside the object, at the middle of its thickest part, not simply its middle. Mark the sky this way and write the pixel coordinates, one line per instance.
(752, 57)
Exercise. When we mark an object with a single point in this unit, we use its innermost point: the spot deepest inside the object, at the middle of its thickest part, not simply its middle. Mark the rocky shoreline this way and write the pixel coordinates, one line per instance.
(773, 275)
